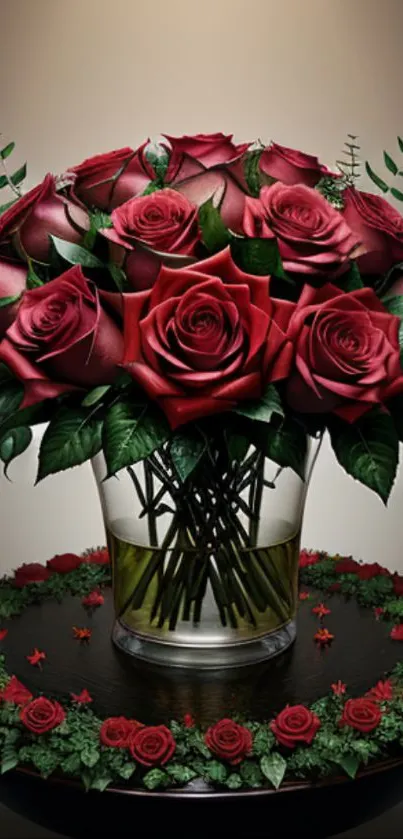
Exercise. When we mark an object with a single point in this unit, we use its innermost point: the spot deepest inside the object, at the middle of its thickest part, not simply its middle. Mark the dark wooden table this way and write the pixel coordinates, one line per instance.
(360, 654)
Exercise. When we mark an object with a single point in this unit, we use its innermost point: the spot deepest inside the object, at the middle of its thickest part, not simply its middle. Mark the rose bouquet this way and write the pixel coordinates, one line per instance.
(201, 306)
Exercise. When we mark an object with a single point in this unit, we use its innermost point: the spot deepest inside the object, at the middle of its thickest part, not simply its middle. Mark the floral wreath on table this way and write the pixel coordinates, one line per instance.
(335, 733)
(146, 291)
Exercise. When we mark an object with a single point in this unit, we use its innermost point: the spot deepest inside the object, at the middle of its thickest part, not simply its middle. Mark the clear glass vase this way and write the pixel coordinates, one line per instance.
(205, 569)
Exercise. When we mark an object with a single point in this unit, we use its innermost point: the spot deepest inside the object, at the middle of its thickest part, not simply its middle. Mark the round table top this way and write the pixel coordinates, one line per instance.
(359, 655)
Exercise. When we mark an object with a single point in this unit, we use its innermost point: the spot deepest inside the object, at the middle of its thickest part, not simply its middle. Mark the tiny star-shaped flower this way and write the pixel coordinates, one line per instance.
(36, 657)
(323, 637)
(93, 599)
(82, 633)
(3, 634)
(82, 698)
(382, 692)
(303, 595)
(378, 612)
(397, 632)
(321, 610)
(338, 688)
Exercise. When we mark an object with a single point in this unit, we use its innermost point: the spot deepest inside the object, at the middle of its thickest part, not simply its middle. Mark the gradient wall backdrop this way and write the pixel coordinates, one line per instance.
(85, 76)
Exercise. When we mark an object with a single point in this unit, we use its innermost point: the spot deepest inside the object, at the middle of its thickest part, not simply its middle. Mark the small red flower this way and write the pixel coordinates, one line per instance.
(323, 637)
(82, 633)
(3, 634)
(321, 610)
(64, 563)
(82, 698)
(383, 691)
(397, 632)
(93, 599)
(347, 565)
(98, 557)
(338, 688)
(31, 572)
(15, 692)
(188, 721)
(398, 585)
(378, 612)
(307, 558)
(36, 657)
(334, 587)
(304, 595)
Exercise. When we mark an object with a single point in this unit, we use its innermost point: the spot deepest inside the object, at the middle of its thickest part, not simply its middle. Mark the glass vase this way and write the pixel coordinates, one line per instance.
(205, 567)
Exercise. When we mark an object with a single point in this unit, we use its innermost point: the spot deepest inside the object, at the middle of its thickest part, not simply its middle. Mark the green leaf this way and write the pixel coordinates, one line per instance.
(90, 756)
(390, 163)
(126, 771)
(4, 153)
(237, 446)
(258, 256)
(368, 450)
(350, 764)
(101, 782)
(10, 397)
(397, 193)
(400, 141)
(375, 178)
(215, 235)
(234, 781)
(261, 741)
(186, 449)
(95, 395)
(216, 771)
(131, 433)
(351, 280)
(251, 166)
(394, 305)
(264, 408)
(395, 406)
(118, 276)
(9, 761)
(156, 778)
(3, 181)
(75, 254)
(18, 176)
(274, 768)
(181, 774)
(72, 437)
(71, 764)
(32, 281)
(7, 301)
(14, 443)
(251, 774)
(286, 445)
(9, 204)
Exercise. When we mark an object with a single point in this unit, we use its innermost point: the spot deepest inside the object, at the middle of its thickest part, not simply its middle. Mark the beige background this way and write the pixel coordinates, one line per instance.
(85, 76)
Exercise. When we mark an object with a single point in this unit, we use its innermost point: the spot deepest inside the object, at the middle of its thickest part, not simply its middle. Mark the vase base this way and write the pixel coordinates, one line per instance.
(204, 657)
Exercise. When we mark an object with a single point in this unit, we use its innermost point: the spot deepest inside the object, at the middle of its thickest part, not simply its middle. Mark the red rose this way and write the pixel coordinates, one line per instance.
(152, 745)
(378, 225)
(209, 149)
(295, 724)
(64, 563)
(99, 557)
(12, 283)
(313, 238)
(369, 570)
(290, 166)
(15, 692)
(205, 338)
(396, 633)
(39, 213)
(361, 714)
(346, 566)
(62, 339)
(382, 692)
(398, 585)
(347, 355)
(229, 741)
(41, 715)
(30, 572)
(108, 180)
(116, 732)
(307, 558)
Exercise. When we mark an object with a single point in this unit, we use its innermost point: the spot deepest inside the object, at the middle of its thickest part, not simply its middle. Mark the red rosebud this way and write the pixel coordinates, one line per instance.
(338, 688)
(83, 698)
(93, 599)
(16, 692)
(397, 632)
(64, 563)
(188, 721)
(31, 572)
(321, 610)
(307, 558)
(42, 715)
(383, 691)
(229, 741)
(378, 611)
(295, 724)
(361, 714)
(304, 595)
(152, 745)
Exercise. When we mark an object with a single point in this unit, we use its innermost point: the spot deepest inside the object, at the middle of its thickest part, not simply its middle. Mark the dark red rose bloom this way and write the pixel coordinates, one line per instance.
(209, 149)
(37, 215)
(152, 745)
(13, 276)
(224, 185)
(16, 692)
(295, 724)
(42, 715)
(347, 565)
(108, 180)
(396, 633)
(307, 558)
(398, 585)
(347, 354)
(205, 338)
(116, 732)
(382, 692)
(98, 557)
(30, 572)
(378, 225)
(314, 240)
(362, 714)
(64, 563)
(291, 166)
(369, 570)
(62, 339)
(229, 741)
